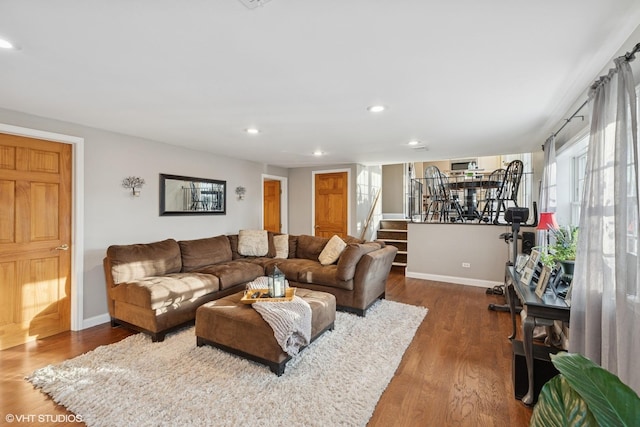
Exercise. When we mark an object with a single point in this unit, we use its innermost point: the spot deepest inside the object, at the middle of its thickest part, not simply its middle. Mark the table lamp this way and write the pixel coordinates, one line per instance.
(547, 222)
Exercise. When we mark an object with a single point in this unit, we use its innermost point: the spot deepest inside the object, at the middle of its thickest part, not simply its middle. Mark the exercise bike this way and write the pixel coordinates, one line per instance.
(515, 216)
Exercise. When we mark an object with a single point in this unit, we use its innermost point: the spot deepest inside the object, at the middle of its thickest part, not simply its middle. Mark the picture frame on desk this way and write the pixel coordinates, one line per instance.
(529, 268)
(543, 281)
(556, 276)
(526, 277)
(567, 299)
(521, 262)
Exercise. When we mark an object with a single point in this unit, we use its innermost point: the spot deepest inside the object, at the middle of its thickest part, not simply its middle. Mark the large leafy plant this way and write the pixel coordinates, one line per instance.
(584, 394)
(564, 247)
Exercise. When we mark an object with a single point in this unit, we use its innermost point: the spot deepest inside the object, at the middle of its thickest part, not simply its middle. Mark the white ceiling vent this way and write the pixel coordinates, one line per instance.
(252, 4)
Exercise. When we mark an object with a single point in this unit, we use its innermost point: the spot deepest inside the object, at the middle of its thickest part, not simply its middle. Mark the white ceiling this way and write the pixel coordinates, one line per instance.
(464, 77)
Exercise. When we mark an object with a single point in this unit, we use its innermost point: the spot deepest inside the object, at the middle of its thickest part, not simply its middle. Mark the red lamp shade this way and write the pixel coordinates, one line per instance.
(547, 221)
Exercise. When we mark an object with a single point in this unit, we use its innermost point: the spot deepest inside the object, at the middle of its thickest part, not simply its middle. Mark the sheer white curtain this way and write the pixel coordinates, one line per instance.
(548, 185)
(547, 202)
(605, 304)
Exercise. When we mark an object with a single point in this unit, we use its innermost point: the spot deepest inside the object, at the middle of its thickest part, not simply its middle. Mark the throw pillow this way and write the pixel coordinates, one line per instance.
(332, 250)
(281, 242)
(253, 242)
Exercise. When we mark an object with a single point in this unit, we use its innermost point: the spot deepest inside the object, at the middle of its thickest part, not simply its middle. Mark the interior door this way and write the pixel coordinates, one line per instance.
(35, 239)
(331, 198)
(271, 206)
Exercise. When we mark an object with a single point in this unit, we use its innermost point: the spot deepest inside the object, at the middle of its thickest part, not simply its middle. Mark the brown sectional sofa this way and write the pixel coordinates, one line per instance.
(155, 287)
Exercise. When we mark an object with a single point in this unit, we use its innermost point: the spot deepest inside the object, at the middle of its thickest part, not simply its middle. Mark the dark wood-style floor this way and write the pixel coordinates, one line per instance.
(456, 372)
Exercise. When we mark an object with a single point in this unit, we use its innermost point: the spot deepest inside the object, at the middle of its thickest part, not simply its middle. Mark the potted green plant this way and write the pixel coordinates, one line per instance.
(563, 248)
(584, 394)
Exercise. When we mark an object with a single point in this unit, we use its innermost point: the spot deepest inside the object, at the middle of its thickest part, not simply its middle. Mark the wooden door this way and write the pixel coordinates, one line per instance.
(35, 239)
(271, 206)
(331, 198)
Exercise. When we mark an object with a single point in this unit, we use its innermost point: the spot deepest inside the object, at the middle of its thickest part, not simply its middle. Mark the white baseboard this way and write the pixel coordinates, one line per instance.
(452, 279)
(96, 320)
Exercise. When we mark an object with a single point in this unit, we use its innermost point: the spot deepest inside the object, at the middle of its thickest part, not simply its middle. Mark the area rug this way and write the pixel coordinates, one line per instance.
(337, 380)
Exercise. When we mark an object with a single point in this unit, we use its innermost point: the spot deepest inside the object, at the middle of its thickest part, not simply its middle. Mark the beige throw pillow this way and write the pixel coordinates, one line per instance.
(253, 242)
(332, 250)
(281, 243)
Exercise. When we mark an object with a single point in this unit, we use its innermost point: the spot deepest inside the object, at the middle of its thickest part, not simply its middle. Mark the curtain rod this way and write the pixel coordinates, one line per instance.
(629, 56)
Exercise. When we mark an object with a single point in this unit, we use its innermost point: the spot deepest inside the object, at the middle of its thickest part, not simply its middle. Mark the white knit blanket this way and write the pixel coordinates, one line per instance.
(290, 320)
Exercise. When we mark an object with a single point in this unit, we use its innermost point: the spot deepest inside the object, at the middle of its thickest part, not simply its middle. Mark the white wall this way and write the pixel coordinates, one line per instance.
(437, 251)
(393, 188)
(113, 216)
(580, 125)
(364, 181)
(301, 197)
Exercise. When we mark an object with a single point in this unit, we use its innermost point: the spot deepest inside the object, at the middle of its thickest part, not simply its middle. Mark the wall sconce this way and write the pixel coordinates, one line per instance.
(134, 183)
(240, 192)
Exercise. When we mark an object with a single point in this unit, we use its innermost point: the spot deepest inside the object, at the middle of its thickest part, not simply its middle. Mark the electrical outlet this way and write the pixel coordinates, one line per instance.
(466, 265)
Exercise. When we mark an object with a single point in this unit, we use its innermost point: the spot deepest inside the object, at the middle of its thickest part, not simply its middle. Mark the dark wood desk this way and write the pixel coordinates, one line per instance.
(540, 312)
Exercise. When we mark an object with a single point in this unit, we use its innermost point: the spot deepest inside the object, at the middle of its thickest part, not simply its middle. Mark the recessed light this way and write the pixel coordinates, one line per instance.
(252, 131)
(414, 142)
(6, 44)
(318, 153)
(376, 108)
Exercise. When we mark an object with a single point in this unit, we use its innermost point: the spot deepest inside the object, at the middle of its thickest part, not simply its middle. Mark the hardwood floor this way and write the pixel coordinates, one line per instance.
(456, 372)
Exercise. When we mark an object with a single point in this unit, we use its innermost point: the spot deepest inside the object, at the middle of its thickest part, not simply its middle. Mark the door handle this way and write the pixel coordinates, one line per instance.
(64, 247)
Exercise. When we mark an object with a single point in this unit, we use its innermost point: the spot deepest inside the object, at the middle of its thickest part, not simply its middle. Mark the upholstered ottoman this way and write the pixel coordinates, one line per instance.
(235, 327)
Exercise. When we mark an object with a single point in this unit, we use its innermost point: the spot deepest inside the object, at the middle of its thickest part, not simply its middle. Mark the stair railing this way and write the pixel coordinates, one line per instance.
(368, 221)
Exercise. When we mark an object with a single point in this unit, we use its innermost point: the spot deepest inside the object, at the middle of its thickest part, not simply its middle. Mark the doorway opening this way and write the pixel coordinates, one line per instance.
(275, 204)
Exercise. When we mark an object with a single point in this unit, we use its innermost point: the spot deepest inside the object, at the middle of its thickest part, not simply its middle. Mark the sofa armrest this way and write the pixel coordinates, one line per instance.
(372, 272)
(351, 256)
(110, 284)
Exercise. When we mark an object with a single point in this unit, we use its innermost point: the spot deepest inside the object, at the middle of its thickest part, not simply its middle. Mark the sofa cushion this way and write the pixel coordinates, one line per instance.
(351, 239)
(290, 267)
(131, 262)
(281, 243)
(350, 258)
(201, 252)
(253, 242)
(262, 261)
(234, 272)
(163, 291)
(322, 275)
(271, 252)
(332, 250)
(309, 247)
(233, 242)
(293, 245)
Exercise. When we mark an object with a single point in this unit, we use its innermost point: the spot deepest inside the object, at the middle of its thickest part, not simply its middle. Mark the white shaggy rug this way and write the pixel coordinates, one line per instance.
(336, 381)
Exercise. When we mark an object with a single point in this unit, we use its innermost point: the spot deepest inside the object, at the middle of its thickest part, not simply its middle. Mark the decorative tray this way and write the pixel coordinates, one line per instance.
(262, 295)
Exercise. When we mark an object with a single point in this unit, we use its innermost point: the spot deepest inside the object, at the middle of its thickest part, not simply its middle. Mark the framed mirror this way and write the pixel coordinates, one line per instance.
(184, 195)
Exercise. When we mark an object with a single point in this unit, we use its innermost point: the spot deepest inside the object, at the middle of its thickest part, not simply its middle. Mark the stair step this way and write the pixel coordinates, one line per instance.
(400, 244)
(391, 235)
(395, 224)
(394, 233)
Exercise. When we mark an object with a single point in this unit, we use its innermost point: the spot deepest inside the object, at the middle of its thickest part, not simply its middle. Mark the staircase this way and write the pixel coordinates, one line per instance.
(394, 233)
